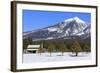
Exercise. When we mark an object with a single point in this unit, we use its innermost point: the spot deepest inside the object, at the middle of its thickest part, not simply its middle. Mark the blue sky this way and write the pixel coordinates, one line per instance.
(33, 19)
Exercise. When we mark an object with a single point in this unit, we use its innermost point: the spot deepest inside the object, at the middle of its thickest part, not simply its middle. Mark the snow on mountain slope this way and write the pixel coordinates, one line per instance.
(52, 29)
(74, 26)
(69, 27)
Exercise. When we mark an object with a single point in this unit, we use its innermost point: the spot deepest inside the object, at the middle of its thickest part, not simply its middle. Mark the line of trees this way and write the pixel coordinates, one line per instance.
(62, 46)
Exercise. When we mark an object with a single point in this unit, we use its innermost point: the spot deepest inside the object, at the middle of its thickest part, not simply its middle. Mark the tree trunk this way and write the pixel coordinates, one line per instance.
(76, 54)
(50, 53)
(40, 51)
(62, 53)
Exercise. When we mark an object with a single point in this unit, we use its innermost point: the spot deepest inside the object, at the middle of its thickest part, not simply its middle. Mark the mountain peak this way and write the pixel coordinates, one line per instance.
(77, 19)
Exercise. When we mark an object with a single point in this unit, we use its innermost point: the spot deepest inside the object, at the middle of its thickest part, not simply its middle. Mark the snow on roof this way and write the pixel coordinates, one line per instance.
(33, 46)
(32, 49)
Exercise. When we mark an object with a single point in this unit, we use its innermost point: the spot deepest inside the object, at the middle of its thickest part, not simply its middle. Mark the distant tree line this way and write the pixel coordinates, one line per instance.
(74, 46)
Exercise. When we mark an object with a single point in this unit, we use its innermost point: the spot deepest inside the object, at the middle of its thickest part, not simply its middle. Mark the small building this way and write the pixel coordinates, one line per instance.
(33, 48)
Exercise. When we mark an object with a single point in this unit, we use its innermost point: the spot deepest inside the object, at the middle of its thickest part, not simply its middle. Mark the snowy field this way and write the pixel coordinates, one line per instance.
(45, 57)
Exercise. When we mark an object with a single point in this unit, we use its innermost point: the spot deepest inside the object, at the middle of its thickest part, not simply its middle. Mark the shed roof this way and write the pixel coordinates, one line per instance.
(32, 49)
(33, 46)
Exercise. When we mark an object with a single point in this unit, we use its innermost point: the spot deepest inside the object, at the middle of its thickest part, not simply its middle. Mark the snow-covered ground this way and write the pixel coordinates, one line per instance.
(45, 57)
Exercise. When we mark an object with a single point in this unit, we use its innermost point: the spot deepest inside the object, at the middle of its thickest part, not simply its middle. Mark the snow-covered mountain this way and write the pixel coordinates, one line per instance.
(66, 29)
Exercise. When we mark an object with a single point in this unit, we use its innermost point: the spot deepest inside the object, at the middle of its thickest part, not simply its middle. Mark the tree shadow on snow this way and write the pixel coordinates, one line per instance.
(59, 55)
(77, 56)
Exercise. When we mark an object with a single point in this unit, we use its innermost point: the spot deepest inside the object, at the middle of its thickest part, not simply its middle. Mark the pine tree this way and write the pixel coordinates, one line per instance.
(41, 48)
(50, 48)
(76, 48)
(62, 48)
(26, 42)
(86, 48)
